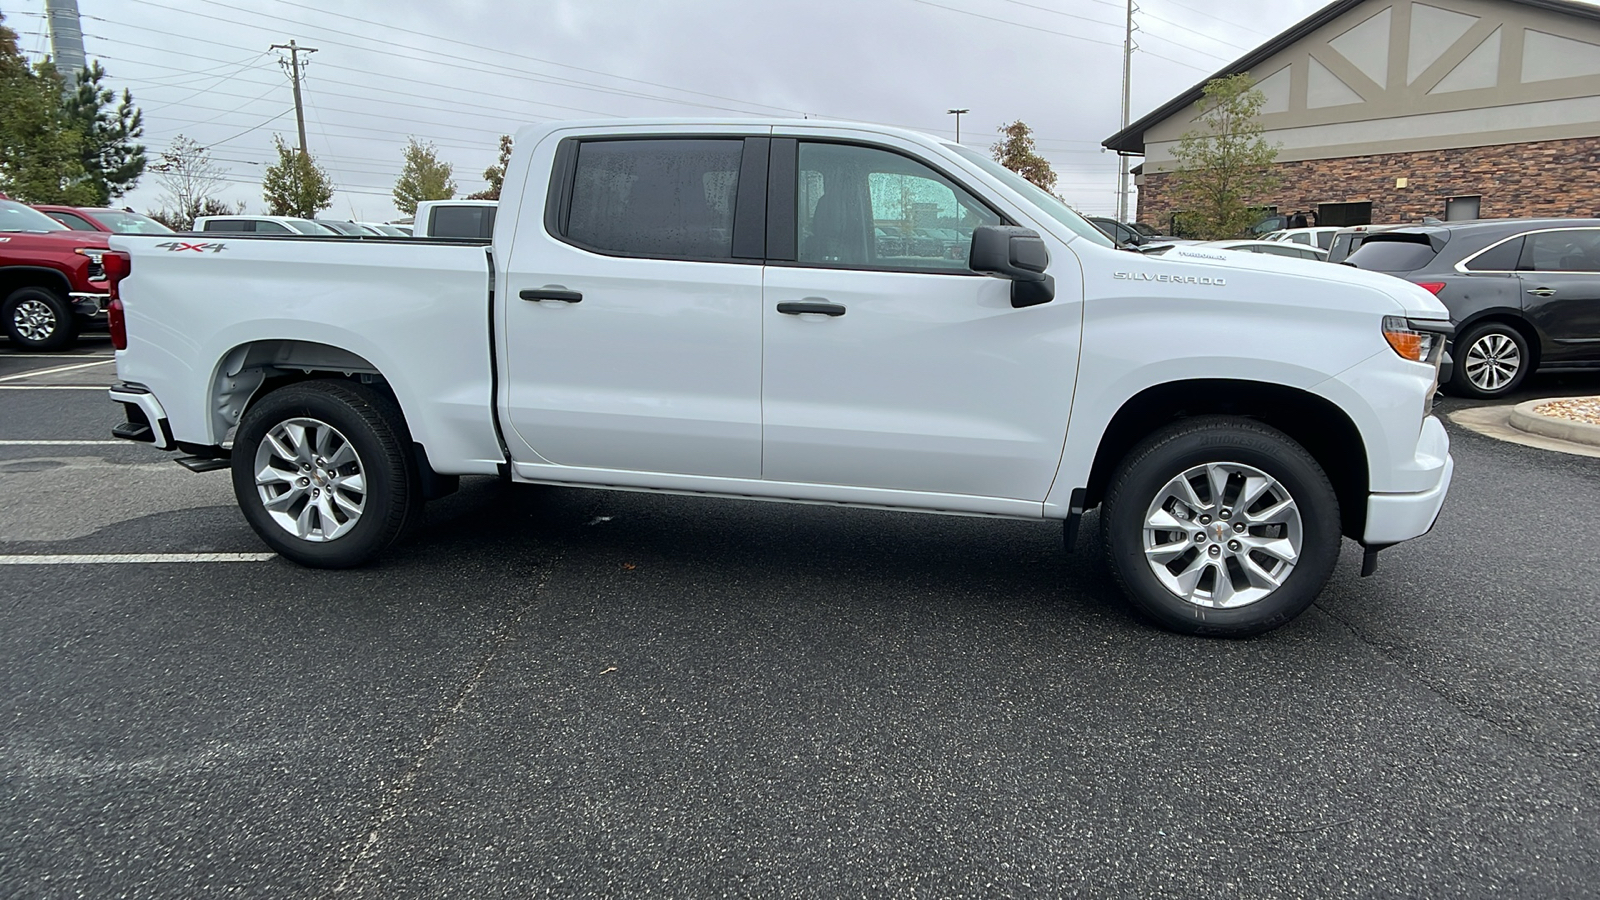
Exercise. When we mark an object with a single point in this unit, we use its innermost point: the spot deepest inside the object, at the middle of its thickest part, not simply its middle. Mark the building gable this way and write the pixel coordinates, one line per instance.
(1379, 76)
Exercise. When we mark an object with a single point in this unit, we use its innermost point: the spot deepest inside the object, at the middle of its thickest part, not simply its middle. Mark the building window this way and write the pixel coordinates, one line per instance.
(1344, 215)
(1459, 209)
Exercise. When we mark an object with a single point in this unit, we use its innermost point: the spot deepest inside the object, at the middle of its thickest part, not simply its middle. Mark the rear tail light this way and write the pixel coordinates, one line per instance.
(118, 265)
(1432, 287)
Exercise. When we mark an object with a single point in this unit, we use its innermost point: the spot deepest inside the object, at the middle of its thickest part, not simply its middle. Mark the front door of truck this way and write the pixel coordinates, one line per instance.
(888, 363)
(631, 324)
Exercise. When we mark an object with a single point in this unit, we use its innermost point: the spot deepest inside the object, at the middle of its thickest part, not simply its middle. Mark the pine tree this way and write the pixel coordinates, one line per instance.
(40, 153)
(112, 158)
(495, 174)
(423, 177)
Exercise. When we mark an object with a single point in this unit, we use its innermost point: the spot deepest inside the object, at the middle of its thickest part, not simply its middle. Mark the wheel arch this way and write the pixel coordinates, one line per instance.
(1315, 423)
(13, 278)
(1511, 318)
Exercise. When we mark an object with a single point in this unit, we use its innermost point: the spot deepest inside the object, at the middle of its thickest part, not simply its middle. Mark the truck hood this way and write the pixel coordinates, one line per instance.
(1411, 300)
(57, 241)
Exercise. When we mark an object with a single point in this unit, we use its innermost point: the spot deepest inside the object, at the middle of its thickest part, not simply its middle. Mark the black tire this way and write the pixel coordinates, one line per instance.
(372, 424)
(38, 318)
(1498, 345)
(1162, 457)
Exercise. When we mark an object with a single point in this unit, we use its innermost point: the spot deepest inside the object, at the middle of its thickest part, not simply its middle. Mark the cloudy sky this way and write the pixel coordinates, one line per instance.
(459, 73)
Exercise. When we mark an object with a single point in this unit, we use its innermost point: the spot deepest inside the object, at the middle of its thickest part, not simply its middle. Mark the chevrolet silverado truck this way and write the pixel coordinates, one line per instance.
(743, 309)
(52, 284)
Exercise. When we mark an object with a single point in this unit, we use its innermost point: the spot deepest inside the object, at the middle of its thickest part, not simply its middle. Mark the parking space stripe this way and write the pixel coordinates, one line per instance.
(91, 559)
(55, 387)
(20, 443)
(55, 356)
(56, 370)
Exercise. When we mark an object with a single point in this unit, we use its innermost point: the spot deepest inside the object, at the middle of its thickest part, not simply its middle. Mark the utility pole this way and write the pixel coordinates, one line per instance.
(294, 72)
(958, 113)
(1127, 94)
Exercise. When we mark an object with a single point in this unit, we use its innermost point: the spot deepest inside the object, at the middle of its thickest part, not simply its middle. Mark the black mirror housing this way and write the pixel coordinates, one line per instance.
(1018, 255)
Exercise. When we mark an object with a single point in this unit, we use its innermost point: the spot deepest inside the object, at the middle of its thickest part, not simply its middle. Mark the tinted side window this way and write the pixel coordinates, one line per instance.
(869, 208)
(1498, 259)
(272, 228)
(667, 198)
(462, 222)
(76, 223)
(230, 225)
(1568, 250)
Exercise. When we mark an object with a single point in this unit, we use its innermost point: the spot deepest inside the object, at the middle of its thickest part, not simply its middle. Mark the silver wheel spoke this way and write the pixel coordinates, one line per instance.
(1276, 514)
(1278, 548)
(1166, 553)
(1217, 478)
(341, 457)
(1189, 578)
(1222, 591)
(1257, 576)
(314, 502)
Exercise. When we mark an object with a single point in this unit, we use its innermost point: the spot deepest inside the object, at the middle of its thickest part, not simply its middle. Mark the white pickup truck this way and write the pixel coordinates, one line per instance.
(809, 312)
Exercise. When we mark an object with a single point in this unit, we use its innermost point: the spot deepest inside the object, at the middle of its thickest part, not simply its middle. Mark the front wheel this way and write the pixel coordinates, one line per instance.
(1221, 526)
(323, 473)
(38, 319)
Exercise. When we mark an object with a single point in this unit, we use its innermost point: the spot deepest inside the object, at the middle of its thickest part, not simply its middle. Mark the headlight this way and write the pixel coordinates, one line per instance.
(1411, 342)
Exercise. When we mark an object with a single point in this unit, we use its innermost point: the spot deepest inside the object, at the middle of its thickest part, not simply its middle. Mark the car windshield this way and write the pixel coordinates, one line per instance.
(16, 218)
(123, 222)
(341, 227)
(306, 226)
(1052, 205)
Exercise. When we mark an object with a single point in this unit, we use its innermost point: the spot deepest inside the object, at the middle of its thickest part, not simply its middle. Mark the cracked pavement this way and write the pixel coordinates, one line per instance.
(550, 692)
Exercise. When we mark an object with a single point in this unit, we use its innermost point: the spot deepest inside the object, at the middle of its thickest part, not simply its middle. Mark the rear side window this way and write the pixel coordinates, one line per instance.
(230, 225)
(476, 222)
(76, 223)
(1567, 250)
(272, 228)
(1393, 253)
(669, 198)
(1500, 258)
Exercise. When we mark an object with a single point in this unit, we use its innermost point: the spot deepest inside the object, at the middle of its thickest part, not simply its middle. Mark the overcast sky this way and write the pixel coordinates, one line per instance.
(461, 72)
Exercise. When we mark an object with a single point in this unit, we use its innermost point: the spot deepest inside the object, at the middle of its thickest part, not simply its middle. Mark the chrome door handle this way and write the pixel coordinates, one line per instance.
(1543, 292)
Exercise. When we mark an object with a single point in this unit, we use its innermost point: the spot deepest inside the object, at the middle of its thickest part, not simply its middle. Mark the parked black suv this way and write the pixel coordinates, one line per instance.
(1524, 293)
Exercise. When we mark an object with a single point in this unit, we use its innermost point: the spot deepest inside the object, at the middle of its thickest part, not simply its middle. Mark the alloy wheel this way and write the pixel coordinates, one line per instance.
(310, 479)
(1493, 361)
(34, 320)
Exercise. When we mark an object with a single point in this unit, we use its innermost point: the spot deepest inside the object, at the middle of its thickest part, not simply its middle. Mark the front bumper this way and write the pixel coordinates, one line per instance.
(1392, 518)
(147, 421)
(89, 305)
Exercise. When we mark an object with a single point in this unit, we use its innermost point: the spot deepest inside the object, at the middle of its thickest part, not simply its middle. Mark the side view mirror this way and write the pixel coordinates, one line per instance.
(1017, 255)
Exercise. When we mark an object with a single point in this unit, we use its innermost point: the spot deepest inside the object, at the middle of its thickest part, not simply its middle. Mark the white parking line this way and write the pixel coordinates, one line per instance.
(86, 559)
(56, 371)
(55, 356)
(55, 387)
(61, 443)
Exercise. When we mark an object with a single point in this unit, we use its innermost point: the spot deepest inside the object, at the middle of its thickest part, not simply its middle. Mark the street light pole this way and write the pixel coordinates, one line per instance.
(958, 113)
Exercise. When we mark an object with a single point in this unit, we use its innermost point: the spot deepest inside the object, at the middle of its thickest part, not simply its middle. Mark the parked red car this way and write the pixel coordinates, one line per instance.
(110, 221)
(52, 283)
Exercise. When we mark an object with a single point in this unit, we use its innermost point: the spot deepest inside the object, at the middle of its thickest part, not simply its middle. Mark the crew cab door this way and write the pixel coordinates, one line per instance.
(888, 363)
(632, 307)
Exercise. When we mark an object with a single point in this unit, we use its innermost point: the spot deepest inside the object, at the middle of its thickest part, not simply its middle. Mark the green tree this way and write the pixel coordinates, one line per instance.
(39, 150)
(1015, 151)
(495, 174)
(295, 185)
(423, 177)
(1224, 165)
(111, 156)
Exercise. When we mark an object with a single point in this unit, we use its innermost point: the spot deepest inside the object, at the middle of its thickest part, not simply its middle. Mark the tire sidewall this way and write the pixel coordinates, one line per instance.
(389, 487)
(1462, 382)
(1160, 460)
(66, 326)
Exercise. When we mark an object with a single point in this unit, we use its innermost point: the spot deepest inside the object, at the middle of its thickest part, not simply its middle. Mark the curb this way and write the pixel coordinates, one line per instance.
(1523, 418)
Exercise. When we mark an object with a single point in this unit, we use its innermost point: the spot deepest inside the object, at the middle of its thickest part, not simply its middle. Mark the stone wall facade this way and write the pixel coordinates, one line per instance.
(1547, 178)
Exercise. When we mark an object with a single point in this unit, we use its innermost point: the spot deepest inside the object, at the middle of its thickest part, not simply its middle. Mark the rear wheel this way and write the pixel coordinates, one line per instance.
(1491, 360)
(323, 472)
(1221, 526)
(37, 318)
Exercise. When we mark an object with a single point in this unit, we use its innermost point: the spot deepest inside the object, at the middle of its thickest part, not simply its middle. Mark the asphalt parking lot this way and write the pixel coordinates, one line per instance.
(560, 692)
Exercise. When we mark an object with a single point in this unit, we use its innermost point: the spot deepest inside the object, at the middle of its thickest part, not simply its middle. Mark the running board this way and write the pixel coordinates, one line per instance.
(203, 463)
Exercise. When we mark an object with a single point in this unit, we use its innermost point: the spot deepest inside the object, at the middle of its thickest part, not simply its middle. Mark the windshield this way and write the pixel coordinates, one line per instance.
(342, 227)
(16, 218)
(123, 222)
(305, 226)
(1049, 203)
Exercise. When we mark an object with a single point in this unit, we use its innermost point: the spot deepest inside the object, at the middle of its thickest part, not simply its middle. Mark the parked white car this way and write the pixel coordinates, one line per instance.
(467, 219)
(745, 309)
(1321, 238)
(261, 225)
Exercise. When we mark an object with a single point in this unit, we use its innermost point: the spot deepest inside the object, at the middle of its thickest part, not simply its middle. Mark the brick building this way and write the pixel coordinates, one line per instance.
(1391, 110)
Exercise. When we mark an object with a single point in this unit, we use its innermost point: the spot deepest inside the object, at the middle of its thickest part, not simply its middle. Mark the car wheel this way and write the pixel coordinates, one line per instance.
(324, 474)
(1220, 526)
(38, 319)
(1490, 360)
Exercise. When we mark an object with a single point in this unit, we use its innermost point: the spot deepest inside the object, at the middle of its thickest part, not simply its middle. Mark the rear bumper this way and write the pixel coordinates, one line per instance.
(1392, 518)
(147, 421)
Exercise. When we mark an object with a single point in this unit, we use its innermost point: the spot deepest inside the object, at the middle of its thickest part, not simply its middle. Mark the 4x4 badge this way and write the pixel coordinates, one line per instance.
(173, 246)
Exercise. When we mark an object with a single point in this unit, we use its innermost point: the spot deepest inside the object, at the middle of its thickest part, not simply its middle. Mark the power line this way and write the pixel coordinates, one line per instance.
(1076, 37)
